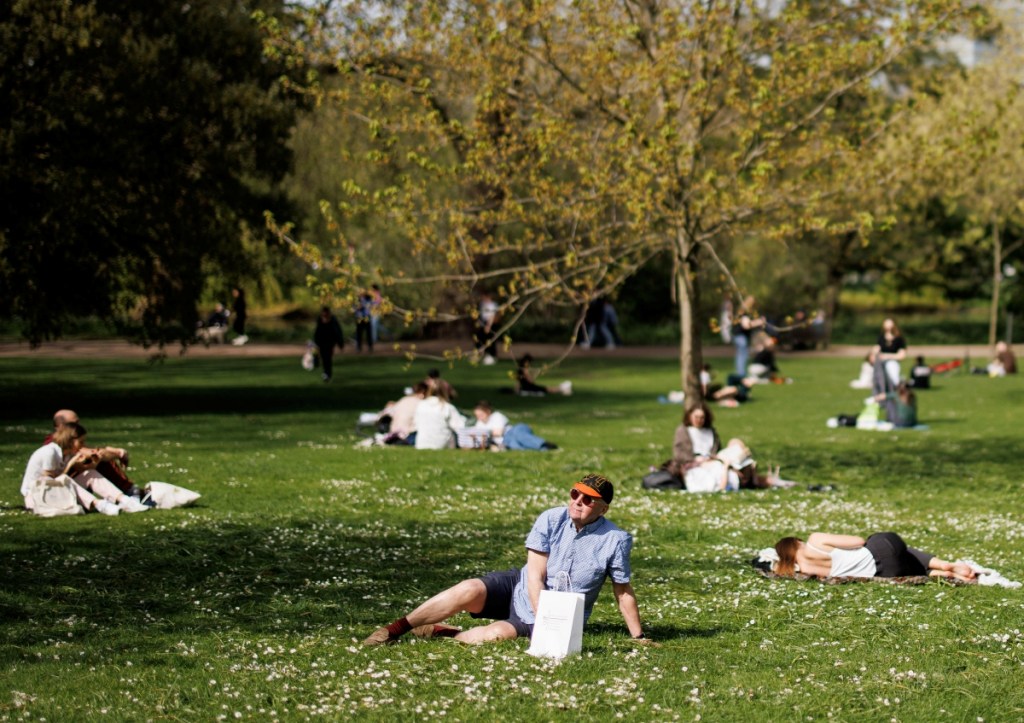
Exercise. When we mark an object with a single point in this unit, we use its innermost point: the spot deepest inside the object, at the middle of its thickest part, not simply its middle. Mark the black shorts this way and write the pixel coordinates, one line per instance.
(893, 558)
(498, 604)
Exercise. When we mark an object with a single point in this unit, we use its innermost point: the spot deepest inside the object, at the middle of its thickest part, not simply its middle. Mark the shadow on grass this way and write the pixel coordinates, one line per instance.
(209, 577)
(660, 632)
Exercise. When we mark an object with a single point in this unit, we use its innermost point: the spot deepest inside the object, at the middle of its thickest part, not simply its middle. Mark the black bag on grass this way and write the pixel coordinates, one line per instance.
(662, 479)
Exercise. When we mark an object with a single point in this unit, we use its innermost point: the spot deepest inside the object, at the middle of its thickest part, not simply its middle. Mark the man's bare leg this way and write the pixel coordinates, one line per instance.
(498, 630)
(467, 596)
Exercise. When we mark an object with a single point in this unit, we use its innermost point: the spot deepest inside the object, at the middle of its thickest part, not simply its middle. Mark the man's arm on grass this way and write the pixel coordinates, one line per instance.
(626, 598)
(536, 575)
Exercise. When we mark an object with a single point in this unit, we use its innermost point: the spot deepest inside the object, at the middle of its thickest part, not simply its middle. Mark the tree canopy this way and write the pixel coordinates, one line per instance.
(545, 150)
(136, 143)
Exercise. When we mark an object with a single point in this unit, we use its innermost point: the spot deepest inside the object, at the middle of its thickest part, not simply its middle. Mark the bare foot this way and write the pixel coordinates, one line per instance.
(963, 571)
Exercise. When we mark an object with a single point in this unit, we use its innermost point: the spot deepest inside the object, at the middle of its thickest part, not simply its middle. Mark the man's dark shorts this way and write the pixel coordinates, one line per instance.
(498, 605)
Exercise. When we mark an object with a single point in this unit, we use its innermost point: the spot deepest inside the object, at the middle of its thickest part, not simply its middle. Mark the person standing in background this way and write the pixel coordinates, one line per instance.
(240, 313)
(745, 321)
(364, 321)
(376, 299)
(888, 352)
(483, 331)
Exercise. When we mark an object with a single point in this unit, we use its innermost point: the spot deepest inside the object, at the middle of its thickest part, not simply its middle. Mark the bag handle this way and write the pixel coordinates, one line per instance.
(562, 578)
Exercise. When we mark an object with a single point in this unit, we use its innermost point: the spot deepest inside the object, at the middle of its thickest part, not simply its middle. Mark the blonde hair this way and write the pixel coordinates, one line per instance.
(65, 436)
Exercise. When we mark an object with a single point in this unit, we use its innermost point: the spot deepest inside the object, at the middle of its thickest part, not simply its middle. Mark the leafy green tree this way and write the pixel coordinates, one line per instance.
(964, 150)
(546, 150)
(137, 142)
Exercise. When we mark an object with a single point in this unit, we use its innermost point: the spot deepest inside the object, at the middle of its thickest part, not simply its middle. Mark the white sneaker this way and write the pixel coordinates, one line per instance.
(240, 340)
(130, 504)
(565, 388)
(107, 508)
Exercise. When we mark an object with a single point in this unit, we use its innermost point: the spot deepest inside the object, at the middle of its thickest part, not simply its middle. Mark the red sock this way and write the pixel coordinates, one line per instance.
(445, 631)
(399, 627)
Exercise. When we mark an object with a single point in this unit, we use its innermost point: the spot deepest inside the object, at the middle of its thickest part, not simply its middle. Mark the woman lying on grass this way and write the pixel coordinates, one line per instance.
(883, 554)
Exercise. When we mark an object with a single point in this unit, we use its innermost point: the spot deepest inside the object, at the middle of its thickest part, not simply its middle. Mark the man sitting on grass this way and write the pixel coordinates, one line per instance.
(112, 460)
(576, 539)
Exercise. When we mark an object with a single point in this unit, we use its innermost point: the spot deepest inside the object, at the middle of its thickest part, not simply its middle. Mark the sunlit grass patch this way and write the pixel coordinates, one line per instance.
(251, 604)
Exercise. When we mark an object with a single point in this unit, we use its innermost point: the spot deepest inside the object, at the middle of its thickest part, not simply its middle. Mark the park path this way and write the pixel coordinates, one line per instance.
(115, 349)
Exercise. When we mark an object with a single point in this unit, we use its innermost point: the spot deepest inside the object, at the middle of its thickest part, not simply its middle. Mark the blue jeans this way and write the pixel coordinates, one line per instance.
(742, 344)
(520, 436)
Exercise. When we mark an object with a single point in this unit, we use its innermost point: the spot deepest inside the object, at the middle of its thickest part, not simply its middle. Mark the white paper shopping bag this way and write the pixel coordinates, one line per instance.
(558, 628)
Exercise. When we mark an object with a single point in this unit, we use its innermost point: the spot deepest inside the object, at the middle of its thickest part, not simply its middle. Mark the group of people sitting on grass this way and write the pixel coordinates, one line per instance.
(95, 475)
(425, 418)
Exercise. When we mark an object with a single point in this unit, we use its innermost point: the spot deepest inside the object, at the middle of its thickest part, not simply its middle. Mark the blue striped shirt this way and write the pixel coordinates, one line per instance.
(597, 551)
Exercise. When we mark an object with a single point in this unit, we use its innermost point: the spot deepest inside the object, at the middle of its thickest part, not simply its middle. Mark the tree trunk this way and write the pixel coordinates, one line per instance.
(831, 305)
(997, 281)
(691, 358)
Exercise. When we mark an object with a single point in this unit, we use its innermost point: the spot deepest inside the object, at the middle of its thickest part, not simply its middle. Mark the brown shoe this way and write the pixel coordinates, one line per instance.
(380, 636)
(435, 631)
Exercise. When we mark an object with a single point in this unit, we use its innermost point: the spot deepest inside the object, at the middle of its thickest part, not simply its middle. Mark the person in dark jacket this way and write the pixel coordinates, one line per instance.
(327, 335)
(240, 313)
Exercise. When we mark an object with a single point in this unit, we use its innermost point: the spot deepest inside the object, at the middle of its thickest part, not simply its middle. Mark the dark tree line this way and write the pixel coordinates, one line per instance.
(137, 140)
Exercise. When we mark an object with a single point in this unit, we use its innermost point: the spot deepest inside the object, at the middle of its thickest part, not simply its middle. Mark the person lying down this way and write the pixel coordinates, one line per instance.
(881, 555)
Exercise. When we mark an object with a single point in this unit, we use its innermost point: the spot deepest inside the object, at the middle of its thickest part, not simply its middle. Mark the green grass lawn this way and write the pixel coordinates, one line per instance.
(251, 605)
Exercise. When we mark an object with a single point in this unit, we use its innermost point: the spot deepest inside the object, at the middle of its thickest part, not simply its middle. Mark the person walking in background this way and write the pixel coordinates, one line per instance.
(483, 331)
(745, 322)
(326, 336)
(364, 321)
(610, 327)
(593, 322)
(376, 299)
(888, 352)
(240, 313)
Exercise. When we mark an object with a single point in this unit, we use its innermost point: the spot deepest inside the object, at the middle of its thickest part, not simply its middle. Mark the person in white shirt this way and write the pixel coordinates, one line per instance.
(883, 554)
(437, 421)
(495, 426)
(48, 461)
(403, 416)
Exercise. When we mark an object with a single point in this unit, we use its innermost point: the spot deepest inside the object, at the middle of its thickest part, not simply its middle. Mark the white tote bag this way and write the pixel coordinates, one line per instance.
(558, 628)
(168, 496)
(55, 496)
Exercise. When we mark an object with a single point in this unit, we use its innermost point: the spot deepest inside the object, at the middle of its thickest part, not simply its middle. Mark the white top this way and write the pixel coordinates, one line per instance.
(495, 426)
(702, 439)
(858, 562)
(708, 476)
(488, 310)
(436, 421)
(45, 459)
(403, 415)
